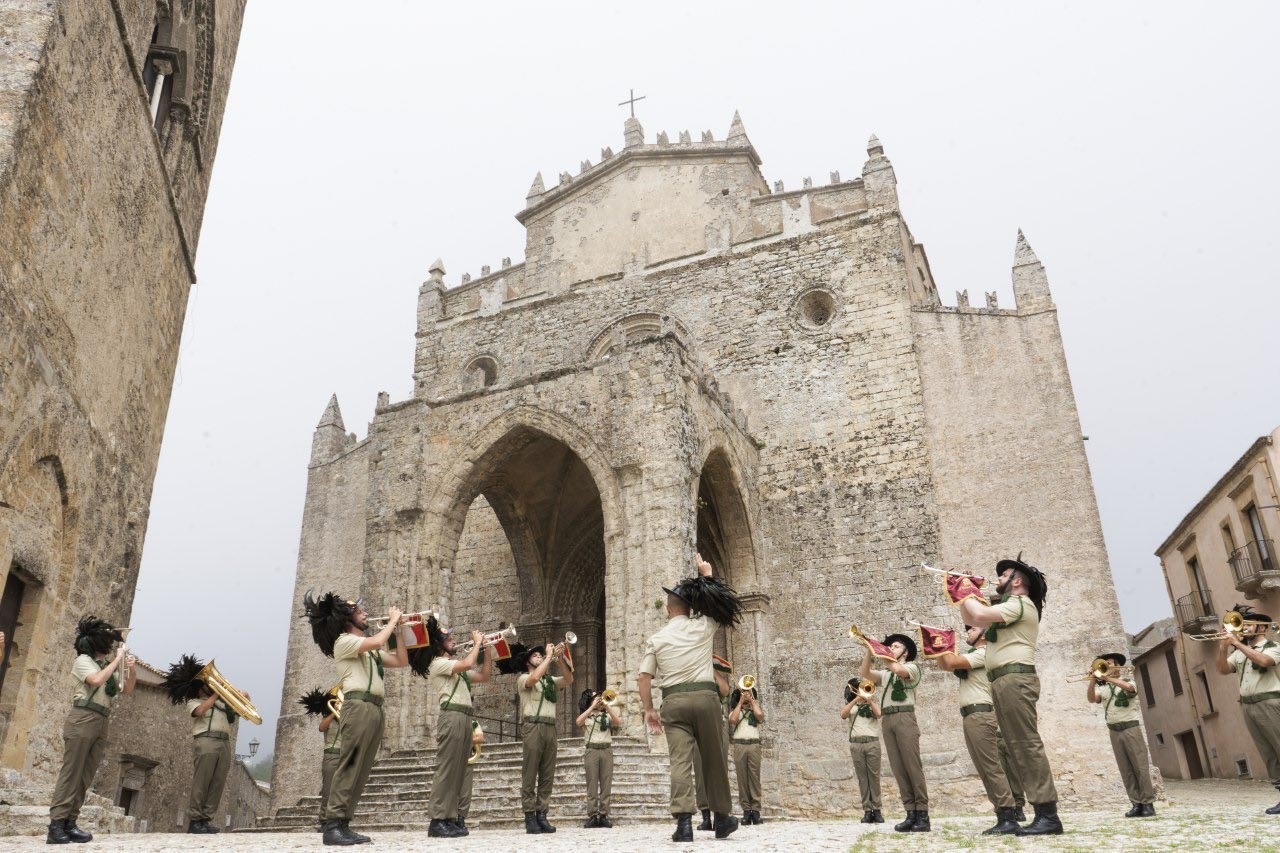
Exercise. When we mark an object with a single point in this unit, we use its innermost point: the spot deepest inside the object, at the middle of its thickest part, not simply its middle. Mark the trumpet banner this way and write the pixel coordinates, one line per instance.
(719, 664)
(936, 642)
(960, 587)
(877, 648)
(501, 649)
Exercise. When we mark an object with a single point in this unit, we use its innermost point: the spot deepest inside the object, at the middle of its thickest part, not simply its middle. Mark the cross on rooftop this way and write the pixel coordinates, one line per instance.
(632, 102)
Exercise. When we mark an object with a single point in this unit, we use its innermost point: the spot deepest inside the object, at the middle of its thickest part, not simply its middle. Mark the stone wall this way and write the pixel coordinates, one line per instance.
(99, 216)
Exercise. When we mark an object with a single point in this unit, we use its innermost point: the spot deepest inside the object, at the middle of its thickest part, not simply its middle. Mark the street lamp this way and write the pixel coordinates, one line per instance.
(253, 750)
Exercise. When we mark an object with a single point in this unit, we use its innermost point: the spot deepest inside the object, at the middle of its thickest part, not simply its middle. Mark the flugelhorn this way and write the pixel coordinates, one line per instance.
(227, 692)
(477, 738)
(336, 697)
(508, 634)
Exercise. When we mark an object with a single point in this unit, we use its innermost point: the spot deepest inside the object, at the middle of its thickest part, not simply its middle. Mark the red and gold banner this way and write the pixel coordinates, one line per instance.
(936, 642)
(959, 587)
(501, 650)
(877, 648)
(719, 664)
(413, 634)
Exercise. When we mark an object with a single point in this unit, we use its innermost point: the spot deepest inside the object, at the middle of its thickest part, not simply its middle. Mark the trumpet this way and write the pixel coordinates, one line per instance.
(859, 688)
(336, 697)
(508, 634)
(609, 697)
(477, 738)
(929, 568)
(747, 682)
(563, 652)
(1234, 625)
(378, 622)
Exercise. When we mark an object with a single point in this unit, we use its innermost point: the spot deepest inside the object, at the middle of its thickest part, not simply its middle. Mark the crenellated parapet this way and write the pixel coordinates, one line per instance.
(1030, 289)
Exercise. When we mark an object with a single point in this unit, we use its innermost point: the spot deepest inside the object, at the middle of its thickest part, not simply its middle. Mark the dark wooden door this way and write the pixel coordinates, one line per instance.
(1195, 770)
(10, 605)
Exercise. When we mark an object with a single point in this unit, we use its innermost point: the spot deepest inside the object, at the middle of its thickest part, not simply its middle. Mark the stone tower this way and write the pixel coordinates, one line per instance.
(690, 359)
(109, 121)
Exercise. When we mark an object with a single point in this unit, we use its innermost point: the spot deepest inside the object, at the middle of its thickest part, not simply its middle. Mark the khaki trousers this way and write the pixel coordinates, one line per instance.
(362, 725)
(699, 783)
(84, 739)
(1010, 774)
(982, 737)
(866, 766)
(211, 757)
(540, 746)
(453, 747)
(746, 758)
(1130, 749)
(327, 766)
(693, 720)
(1015, 696)
(464, 798)
(1262, 719)
(902, 743)
(599, 767)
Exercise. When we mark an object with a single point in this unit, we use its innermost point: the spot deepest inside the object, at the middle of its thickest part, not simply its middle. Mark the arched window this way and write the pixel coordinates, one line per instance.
(481, 372)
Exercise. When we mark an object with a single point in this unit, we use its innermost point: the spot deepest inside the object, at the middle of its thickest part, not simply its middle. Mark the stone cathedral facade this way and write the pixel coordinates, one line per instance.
(690, 360)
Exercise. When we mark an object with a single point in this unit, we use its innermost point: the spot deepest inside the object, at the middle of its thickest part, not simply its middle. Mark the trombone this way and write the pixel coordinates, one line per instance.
(1102, 669)
(508, 634)
(859, 688)
(1234, 625)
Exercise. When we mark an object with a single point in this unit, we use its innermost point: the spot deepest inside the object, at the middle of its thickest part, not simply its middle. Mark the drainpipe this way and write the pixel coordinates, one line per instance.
(1185, 675)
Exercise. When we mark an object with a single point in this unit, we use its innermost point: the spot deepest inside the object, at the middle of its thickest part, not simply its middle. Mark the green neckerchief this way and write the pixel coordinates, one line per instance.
(549, 691)
(1120, 701)
(994, 630)
(113, 682)
(864, 710)
(748, 716)
(377, 659)
(1266, 644)
(962, 674)
(231, 715)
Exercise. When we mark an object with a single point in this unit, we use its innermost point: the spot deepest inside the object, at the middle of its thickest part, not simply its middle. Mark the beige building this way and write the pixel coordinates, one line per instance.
(1221, 553)
(689, 357)
(1174, 737)
(110, 113)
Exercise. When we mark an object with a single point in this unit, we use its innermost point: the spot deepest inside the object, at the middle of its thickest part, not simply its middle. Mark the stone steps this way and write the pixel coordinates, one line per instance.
(24, 809)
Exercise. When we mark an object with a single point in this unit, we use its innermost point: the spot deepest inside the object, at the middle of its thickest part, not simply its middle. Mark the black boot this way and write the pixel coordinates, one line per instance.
(905, 826)
(706, 826)
(1019, 815)
(459, 828)
(541, 817)
(684, 827)
(591, 823)
(198, 827)
(922, 821)
(1274, 809)
(439, 828)
(334, 836)
(1046, 822)
(726, 825)
(755, 817)
(1136, 811)
(1005, 824)
(877, 816)
(531, 823)
(57, 833)
(602, 821)
(75, 833)
(866, 817)
(1148, 810)
(352, 834)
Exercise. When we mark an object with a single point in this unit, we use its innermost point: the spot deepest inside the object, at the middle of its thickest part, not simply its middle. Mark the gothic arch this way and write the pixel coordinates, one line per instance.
(724, 518)
(634, 327)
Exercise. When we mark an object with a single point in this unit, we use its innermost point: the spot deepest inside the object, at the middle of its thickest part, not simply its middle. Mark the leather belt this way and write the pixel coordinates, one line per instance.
(362, 696)
(1010, 669)
(546, 721)
(215, 735)
(975, 708)
(757, 740)
(454, 706)
(599, 746)
(333, 750)
(689, 687)
(92, 706)
(1119, 727)
(863, 739)
(897, 709)
(1260, 697)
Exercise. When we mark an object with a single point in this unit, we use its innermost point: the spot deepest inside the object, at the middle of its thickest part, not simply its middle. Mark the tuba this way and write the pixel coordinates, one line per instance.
(335, 701)
(227, 692)
(477, 738)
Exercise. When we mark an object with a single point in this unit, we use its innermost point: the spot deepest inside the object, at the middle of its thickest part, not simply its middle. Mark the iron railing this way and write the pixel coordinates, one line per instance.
(501, 728)
(1193, 607)
(1250, 560)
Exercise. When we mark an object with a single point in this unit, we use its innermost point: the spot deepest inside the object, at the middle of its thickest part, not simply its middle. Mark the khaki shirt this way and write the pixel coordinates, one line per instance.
(532, 701)
(84, 667)
(356, 670)
(598, 729)
(862, 726)
(976, 688)
(445, 685)
(884, 678)
(744, 730)
(1016, 635)
(212, 721)
(681, 652)
(1253, 682)
(1113, 713)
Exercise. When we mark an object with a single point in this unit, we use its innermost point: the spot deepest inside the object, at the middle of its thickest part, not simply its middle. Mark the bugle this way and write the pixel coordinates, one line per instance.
(1100, 670)
(377, 623)
(563, 652)
(929, 568)
(508, 634)
(477, 738)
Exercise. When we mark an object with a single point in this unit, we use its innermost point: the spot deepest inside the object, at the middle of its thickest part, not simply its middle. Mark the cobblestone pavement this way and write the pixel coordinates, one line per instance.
(1197, 816)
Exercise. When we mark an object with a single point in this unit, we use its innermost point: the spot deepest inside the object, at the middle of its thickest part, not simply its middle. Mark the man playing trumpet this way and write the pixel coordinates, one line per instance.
(1253, 657)
(898, 724)
(863, 713)
(539, 691)
(1120, 711)
(745, 721)
(599, 716)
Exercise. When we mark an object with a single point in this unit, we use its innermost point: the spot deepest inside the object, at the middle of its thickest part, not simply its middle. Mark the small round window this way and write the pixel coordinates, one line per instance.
(815, 309)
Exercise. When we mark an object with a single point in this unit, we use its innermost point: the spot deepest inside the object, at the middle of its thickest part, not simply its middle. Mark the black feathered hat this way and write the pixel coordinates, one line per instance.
(329, 616)
(420, 658)
(588, 696)
(1037, 586)
(906, 641)
(316, 702)
(94, 636)
(1251, 615)
(181, 681)
(518, 663)
(711, 597)
(1115, 657)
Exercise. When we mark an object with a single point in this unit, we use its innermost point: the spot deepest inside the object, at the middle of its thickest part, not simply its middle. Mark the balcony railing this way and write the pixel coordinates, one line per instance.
(1255, 567)
(1194, 610)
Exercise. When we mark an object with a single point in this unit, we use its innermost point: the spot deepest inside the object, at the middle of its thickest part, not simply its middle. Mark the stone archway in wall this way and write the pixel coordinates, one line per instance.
(724, 539)
(531, 551)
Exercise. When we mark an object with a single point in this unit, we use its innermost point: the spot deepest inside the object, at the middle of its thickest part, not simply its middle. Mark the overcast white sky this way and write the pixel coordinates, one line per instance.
(1134, 143)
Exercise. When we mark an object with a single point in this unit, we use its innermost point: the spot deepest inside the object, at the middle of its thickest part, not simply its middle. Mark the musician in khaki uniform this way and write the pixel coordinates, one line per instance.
(212, 726)
(982, 734)
(97, 676)
(339, 628)
(722, 669)
(599, 720)
(897, 686)
(745, 721)
(1013, 627)
(451, 679)
(863, 713)
(678, 659)
(1253, 658)
(1120, 711)
(539, 692)
(316, 703)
